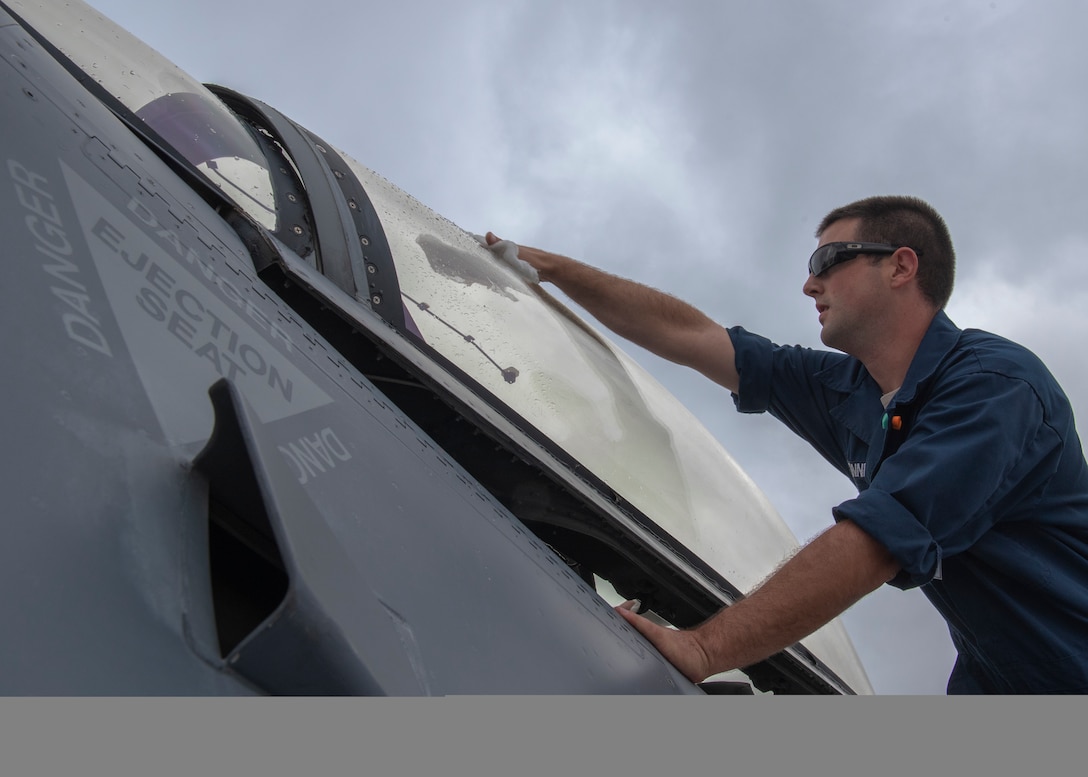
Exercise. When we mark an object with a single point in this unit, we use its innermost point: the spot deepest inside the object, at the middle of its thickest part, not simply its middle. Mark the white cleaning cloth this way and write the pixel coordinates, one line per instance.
(507, 252)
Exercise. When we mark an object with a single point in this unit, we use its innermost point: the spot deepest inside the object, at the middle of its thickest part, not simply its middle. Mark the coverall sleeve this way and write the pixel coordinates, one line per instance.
(781, 380)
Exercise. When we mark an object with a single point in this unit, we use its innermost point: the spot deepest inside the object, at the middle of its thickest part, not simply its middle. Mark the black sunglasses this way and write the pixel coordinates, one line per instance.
(830, 254)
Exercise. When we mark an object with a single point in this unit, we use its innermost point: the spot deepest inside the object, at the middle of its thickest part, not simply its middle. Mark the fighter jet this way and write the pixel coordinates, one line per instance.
(275, 427)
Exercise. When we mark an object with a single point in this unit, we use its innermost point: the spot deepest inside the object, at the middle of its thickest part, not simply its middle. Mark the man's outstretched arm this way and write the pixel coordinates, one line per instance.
(816, 585)
(652, 319)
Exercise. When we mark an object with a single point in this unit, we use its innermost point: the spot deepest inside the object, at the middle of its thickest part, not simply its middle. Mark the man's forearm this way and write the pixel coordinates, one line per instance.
(819, 583)
(630, 309)
(652, 319)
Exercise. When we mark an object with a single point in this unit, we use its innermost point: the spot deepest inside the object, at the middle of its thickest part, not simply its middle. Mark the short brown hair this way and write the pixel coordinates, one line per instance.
(906, 221)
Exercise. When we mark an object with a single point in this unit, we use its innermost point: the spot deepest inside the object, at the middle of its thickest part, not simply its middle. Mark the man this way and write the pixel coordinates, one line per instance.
(972, 480)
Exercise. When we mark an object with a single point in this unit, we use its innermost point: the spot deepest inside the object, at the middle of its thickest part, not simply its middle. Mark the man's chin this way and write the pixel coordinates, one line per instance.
(829, 338)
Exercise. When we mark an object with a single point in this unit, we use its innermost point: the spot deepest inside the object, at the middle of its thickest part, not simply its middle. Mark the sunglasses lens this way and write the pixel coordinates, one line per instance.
(823, 258)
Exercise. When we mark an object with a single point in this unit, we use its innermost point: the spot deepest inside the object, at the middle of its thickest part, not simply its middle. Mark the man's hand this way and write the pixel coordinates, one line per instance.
(681, 648)
(541, 261)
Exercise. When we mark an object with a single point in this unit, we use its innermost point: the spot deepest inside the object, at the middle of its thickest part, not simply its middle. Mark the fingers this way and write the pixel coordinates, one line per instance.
(659, 636)
(532, 263)
(629, 615)
(680, 648)
(629, 612)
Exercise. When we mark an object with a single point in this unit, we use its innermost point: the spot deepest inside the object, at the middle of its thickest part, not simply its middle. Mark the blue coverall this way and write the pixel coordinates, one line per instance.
(974, 478)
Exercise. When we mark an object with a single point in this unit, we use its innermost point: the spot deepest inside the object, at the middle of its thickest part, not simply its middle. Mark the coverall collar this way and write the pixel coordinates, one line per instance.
(862, 399)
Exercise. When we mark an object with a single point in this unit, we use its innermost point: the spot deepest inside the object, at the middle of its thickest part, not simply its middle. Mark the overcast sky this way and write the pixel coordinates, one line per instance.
(694, 146)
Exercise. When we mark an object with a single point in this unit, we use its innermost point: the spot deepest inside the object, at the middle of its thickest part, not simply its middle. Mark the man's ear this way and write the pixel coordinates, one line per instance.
(904, 266)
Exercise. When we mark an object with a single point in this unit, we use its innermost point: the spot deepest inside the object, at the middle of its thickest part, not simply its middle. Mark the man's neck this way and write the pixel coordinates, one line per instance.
(889, 361)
